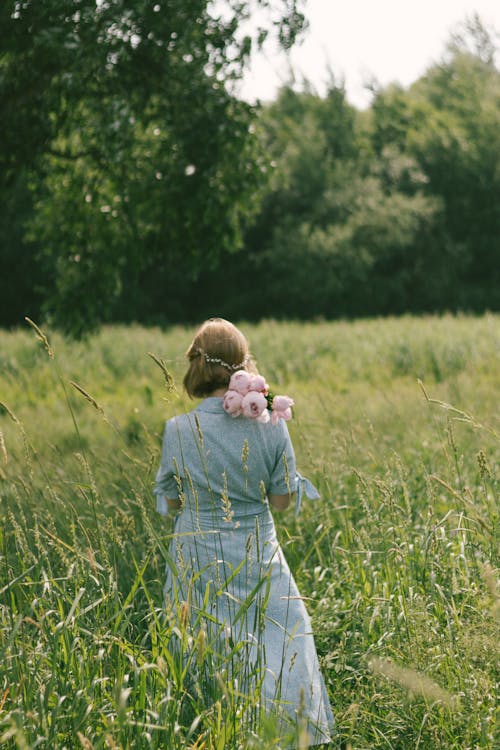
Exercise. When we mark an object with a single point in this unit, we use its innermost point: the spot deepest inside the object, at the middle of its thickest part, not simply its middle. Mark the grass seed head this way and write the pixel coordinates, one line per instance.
(201, 643)
(84, 741)
(493, 587)
(86, 395)
(41, 337)
(413, 681)
(3, 449)
(169, 380)
(184, 614)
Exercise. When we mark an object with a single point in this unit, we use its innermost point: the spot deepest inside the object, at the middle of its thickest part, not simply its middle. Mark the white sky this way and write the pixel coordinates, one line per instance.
(389, 40)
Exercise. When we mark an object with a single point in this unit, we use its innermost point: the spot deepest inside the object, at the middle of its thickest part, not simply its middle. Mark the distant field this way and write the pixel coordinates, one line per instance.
(396, 421)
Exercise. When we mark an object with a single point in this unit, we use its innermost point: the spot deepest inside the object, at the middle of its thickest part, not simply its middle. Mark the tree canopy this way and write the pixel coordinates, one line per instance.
(117, 117)
(137, 186)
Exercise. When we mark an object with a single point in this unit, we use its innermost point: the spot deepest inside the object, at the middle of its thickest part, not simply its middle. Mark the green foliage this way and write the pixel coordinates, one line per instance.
(448, 123)
(398, 560)
(387, 211)
(457, 144)
(122, 113)
(21, 277)
(343, 232)
(131, 175)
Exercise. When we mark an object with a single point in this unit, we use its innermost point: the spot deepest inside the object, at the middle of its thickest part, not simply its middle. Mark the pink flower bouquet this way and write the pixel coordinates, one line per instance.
(249, 395)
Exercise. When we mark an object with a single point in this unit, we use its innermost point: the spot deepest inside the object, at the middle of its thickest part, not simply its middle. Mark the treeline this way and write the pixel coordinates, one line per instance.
(386, 211)
(135, 207)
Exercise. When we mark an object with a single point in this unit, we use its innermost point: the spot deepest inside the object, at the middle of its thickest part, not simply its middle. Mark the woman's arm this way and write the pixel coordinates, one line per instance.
(281, 502)
(167, 482)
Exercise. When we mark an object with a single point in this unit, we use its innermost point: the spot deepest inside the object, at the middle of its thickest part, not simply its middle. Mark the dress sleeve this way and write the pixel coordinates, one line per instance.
(284, 474)
(167, 479)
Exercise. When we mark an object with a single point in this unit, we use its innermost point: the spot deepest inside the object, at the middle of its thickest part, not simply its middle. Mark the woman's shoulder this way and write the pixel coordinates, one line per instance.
(176, 422)
(183, 420)
(221, 422)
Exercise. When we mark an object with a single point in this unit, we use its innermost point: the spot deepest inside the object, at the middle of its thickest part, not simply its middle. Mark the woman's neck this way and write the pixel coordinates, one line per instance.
(219, 392)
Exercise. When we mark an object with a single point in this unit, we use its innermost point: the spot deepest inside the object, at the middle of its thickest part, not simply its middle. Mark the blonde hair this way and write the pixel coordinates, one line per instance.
(217, 350)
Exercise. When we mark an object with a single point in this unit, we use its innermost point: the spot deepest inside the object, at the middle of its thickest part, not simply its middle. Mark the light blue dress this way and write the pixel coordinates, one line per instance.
(225, 557)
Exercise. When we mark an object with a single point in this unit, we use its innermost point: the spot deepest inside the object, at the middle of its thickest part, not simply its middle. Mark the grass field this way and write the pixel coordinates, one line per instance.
(396, 421)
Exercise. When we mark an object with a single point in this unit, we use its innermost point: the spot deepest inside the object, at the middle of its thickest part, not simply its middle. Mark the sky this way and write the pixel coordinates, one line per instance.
(385, 40)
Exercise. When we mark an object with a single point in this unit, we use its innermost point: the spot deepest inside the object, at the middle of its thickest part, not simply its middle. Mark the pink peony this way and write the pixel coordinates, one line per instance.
(232, 403)
(253, 404)
(258, 383)
(264, 417)
(281, 408)
(280, 403)
(240, 382)
(286, 414)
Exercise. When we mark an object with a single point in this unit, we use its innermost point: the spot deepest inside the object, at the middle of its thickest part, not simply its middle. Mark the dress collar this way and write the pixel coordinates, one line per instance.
(212, 404)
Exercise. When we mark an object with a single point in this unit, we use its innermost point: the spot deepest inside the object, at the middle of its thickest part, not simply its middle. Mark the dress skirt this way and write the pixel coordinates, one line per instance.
(233, 574)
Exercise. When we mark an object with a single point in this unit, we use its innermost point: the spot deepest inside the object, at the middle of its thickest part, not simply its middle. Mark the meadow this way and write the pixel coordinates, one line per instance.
(396, 421)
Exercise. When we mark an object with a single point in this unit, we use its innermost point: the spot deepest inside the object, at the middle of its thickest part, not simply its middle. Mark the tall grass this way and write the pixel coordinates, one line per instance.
(397, 423)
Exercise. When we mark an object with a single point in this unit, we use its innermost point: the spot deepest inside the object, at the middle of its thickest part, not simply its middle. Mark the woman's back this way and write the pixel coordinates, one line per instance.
(222, 463)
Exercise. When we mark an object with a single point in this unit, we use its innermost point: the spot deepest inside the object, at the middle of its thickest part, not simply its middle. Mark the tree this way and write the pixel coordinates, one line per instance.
(139, 157)
(20, 277)
(338, 233)
(448, 125)
(457, 144)
(391, 210)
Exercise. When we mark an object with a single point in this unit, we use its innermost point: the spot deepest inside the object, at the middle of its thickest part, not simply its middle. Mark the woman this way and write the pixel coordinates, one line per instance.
(223, 466)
